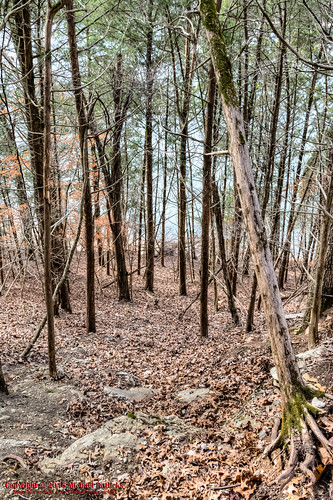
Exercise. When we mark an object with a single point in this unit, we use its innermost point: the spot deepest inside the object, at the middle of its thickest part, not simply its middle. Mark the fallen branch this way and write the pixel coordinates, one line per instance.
(128, 274)
(181, 315)
(227, 487)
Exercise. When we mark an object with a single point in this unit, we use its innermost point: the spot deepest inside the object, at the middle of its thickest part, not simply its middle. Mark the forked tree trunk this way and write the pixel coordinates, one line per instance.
(294, 392)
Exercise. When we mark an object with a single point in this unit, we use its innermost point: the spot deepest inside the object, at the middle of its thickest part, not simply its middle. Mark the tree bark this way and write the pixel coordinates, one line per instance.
(327, 294)
(149, 154)
(206, 195)
(83, 129)
(294, 392)
(165, 175)
(21, 30)
(324, 238)
(114, 180)
(51, 11)
(292, 218)
(182, 178)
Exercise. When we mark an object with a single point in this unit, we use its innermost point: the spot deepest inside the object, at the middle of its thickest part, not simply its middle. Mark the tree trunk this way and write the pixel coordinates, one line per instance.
(114, 181)
(219, 228)
(292, 218)
(206, 195)
(141, 210)
(51, 11)
(58, 242)
(21, 30)
(3, 385)
(327, 293)
(149, 155)
(116, 187)
(324, 238)
(182, 178)
(294, 392)
(83, 129)
(165, 175)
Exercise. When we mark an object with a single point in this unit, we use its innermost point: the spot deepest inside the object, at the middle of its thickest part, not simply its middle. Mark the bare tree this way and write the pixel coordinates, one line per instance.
(296, 418)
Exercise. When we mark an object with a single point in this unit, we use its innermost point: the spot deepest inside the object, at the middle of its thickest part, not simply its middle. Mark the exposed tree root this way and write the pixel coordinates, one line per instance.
(308, 464)
(299, 430)
(289, 473)
(18, 459)
(318, 434)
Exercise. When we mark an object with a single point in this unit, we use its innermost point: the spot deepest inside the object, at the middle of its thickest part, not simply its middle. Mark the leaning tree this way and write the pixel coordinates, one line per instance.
(297, 413)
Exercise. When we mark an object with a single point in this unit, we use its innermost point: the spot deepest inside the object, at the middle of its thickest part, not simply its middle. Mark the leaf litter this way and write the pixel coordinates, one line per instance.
(144, 344)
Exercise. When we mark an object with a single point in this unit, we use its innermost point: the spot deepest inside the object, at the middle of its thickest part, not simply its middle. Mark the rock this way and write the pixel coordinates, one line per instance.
(12, 447)
(262, 434)
(134, 394)
(294, 316)
(189, 395)
(61, 372)
(128, 379)
(120, 432)
(317, 403)
(312, 353)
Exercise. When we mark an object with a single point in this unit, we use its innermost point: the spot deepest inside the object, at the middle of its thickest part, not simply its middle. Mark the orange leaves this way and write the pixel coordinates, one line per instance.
(249, 481)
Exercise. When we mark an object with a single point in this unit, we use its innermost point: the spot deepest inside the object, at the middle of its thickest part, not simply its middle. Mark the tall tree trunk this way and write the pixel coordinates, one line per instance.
(182, 178)
(269, 170)
(141, 209)
(97, 208)
(291, 222)
(114, 180)
(282, 165)
(294, 392)
(206, 195)
(149, 154)
(165, 175)
(218, 213)
(83, 129)
(116, 187)
(26, 215)
(327, 292)
(58, 242)
(323, 246)
(51, 11)
(21, 30)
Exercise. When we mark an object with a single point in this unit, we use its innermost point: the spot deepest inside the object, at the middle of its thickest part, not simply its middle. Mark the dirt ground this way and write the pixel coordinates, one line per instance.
(145, 338)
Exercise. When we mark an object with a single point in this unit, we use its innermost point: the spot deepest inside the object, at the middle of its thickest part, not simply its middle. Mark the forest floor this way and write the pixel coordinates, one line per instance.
(229, 393)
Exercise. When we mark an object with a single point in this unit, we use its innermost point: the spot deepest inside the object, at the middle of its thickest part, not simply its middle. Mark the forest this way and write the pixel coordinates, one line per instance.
(166, 249)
